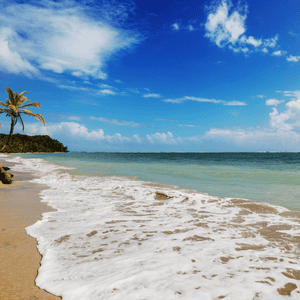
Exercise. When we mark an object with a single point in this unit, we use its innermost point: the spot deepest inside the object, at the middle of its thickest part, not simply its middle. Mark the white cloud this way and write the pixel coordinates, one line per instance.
(279, 53)
(73, 88)
(60, 37)
(295, 94)
(161, 138)
(152, 96)
(235, 103)
(198, 99)
(225, 25)
(10, 60)
(191, 28)
(292, 58)
(75, 131)
(274, 102)
(105, 86)
(116, 122)
(283, 130)
(257, 138)
(107, 92)
(175, 26)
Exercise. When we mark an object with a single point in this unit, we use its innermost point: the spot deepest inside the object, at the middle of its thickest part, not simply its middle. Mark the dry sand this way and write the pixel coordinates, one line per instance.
(20, 207)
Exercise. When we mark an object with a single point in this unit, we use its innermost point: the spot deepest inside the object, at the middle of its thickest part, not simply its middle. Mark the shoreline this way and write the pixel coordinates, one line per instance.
(156, 232)
(20, 207)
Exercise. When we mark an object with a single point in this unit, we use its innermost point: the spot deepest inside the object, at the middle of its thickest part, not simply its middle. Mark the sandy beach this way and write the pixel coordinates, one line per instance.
(20, 207)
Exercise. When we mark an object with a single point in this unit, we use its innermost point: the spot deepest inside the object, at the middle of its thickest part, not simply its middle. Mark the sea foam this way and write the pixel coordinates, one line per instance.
(116, 238)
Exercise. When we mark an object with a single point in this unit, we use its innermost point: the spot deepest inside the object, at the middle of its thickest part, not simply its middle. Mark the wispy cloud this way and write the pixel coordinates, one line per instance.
(234, 103)
(283, 130)
(294, 34)
(225, 26)
(279, 53)
(116, 122)
(105, 86)
(175, 26)
(191, 126)
(61, 37)
(152, 96)
(118, 81)
(73, 88)
(186, 98)
(107, 92)
(273, 102)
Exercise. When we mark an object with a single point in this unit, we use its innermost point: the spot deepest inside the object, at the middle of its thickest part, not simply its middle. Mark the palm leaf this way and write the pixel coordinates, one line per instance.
(36, 104)
(39, 117)
(25, 92)
(29, 112)
(22, 100)
(22, 123)
(26, 111)
(13, 108)
(1, 103)
(8, 102)
(10, 93)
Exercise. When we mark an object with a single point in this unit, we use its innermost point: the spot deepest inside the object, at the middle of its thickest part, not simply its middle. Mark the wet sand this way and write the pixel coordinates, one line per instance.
(20, 207)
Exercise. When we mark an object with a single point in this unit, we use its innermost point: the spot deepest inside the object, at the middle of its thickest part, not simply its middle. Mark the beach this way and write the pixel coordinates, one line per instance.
(20, 207)
(111, 237)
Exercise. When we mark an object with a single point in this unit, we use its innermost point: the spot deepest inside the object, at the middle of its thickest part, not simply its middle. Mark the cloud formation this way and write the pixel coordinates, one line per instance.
(117, 122)
(198, 99)
(225, 26)
(152, 96)
(274, 102)
(161, 138)
(283, 131)
(61, 36)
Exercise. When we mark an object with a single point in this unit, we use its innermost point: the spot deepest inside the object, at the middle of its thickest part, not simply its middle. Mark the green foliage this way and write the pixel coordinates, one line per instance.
(21, 143)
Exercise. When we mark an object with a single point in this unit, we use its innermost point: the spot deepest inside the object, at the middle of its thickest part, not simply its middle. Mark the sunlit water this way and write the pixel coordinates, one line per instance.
(262, 177)
(123, 231)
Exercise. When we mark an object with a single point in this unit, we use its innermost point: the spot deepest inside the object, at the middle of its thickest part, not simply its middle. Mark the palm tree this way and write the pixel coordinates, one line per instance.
(14, 108)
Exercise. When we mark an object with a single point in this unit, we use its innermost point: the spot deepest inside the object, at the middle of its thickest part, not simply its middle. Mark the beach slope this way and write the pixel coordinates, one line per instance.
(20, 207)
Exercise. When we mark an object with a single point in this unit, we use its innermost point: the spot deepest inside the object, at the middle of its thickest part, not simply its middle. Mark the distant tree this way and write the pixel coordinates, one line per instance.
(14, 108)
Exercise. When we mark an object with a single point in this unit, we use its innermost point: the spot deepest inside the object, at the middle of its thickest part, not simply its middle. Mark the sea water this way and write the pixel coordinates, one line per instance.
(168, 225)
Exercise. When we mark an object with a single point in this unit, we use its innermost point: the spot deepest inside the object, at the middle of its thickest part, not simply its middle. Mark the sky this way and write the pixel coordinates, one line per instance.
(157, 76)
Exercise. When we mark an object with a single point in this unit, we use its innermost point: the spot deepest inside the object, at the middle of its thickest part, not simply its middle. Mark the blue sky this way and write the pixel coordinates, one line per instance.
(156, 75)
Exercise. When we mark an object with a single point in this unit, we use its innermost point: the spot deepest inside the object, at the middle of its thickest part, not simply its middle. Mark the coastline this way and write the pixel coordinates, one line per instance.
(158, 233)
(20, 207)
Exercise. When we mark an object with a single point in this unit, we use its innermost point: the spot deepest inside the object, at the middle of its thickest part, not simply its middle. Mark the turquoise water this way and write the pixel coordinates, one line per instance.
(262, 177)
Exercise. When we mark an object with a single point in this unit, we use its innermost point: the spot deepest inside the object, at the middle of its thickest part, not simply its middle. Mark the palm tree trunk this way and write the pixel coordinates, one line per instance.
(12, 125)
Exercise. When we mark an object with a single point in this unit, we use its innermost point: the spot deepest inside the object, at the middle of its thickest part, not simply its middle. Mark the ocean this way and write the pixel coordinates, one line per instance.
(168, 225)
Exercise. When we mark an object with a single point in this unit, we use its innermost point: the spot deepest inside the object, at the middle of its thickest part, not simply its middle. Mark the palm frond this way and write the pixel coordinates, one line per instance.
(13, 108)
(2, 110)
(25, 92)
(22, 123)
(40, 118)
(36, 104)
(10, 93)
(22, 100)
(29, 112)
(26, 111)
(8, 102)
(1, 103)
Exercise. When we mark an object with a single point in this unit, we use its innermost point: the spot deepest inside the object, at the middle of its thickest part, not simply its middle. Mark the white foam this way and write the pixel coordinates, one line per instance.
(114, 238)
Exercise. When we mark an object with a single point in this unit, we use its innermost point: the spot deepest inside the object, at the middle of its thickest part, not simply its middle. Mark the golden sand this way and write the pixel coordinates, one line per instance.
(20, 207)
